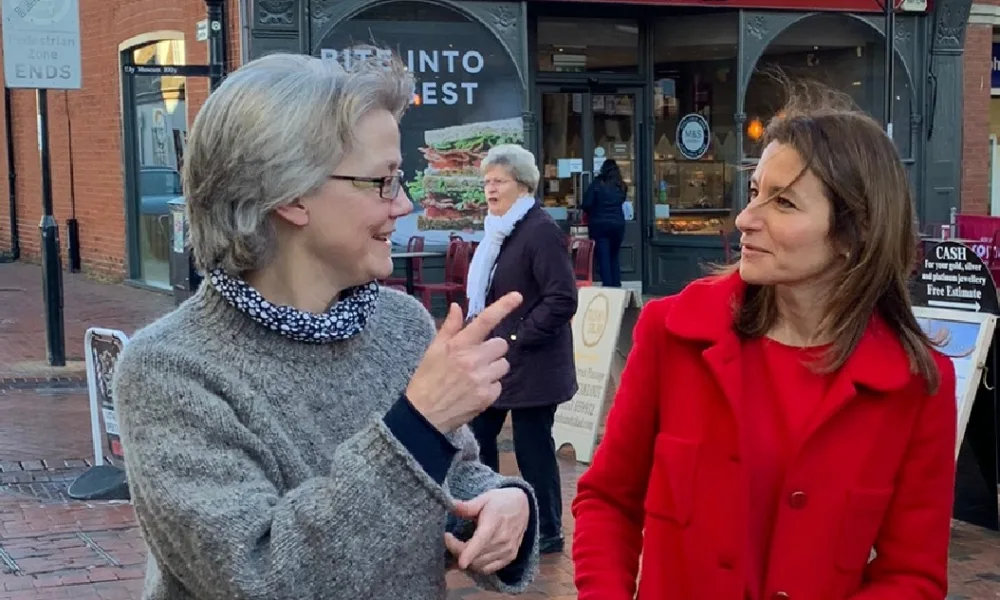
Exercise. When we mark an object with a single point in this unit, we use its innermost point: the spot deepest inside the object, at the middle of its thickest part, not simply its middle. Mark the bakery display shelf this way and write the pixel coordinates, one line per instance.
(695, 222)
(699, 211)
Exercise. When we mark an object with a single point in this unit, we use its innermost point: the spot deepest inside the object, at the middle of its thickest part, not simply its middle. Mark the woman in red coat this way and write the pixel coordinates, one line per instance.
(784, 430)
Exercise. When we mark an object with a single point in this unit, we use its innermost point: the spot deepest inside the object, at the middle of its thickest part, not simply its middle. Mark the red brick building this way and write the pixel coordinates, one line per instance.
(981, 110)
(541, 61)
(87, 167)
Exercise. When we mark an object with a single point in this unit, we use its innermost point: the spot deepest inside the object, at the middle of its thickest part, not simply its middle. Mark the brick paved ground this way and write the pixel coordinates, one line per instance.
(50, 424)
(86, 304)
(51, 547)
(93, 551)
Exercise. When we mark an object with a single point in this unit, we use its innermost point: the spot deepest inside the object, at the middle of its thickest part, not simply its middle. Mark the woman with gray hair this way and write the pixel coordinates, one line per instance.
(295, 430)
(524, 251)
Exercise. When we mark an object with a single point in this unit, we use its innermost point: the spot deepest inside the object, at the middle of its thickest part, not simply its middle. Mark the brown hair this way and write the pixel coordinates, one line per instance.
(872, 220)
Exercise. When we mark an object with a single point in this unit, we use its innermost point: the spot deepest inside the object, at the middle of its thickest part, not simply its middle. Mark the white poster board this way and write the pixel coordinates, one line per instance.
(965, 338)
(102, 348)
(596, 327)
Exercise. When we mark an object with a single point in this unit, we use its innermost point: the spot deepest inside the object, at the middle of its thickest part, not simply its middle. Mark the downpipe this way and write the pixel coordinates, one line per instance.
(14, 253)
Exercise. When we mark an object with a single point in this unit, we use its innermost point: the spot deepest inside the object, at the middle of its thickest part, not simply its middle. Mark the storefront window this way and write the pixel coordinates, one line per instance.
(580, 131)
(468, 99)
(838, 51)
(562, 146)
(588, 45)
(694, 142)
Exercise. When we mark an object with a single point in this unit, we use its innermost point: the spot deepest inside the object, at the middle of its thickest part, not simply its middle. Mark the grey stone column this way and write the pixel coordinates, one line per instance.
(942, 126)
(276, 26)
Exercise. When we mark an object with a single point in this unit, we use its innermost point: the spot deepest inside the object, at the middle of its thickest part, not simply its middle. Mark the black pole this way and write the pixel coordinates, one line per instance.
(15, 238)
(72, 225)
(890, 61)
(216, 50)
(55, 341)
(217, 64)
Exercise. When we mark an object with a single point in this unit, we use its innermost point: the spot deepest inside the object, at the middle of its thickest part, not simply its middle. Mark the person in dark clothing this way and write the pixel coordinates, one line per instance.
(524, 250)
(602, 203)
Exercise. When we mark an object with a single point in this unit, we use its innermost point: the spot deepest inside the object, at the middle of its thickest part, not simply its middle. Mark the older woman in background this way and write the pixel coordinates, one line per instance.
(295, 430)
(524, 250)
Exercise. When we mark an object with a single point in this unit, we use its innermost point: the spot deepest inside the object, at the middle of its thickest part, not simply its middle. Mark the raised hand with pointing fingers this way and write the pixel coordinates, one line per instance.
(460, 373)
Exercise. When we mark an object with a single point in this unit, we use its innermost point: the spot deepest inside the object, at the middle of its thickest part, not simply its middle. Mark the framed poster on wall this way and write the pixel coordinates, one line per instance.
(964, 337)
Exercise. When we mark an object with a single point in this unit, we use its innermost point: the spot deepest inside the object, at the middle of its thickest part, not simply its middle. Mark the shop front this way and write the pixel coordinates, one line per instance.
(676, 94)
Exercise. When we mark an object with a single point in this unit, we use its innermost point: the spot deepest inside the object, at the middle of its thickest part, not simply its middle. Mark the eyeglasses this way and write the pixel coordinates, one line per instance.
(495, 182)
(388, 187)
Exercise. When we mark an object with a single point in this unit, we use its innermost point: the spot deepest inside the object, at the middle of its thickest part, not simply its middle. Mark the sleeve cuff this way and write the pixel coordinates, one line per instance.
(429, 447)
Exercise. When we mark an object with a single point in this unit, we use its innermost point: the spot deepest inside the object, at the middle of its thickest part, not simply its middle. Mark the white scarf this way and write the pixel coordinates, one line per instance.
(497, 228)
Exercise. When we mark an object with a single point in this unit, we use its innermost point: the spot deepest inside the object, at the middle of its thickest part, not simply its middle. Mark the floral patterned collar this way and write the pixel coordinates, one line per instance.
(343, 320)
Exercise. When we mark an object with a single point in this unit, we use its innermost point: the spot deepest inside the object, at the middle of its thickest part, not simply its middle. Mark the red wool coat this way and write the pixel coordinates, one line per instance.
(876, 469)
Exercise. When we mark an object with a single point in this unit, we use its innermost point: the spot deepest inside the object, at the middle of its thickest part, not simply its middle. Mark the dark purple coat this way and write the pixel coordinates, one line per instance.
(534, 261)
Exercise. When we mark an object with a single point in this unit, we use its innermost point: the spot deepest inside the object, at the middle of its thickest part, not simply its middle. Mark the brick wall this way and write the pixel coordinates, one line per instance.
(976, 118)
(94, 114)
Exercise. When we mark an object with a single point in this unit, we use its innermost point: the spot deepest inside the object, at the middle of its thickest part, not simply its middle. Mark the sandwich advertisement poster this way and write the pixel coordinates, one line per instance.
(468, 99)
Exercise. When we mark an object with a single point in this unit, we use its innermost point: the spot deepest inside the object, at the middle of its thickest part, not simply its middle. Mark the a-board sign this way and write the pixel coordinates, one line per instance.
(102, 348)
(964, 337)
(953, 276)
(596, 327)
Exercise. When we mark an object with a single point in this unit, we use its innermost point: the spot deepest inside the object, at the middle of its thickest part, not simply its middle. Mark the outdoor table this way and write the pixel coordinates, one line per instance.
(409, 257)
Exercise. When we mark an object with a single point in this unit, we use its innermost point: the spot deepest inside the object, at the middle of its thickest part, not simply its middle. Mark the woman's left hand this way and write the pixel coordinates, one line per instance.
(501, 518)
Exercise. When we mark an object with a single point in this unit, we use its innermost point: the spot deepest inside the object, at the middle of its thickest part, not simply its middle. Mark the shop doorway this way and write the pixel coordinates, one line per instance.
(154, 131)
(580, 127)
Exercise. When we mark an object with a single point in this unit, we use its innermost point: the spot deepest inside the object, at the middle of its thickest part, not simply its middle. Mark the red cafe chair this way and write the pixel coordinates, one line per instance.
(583, 262)
(414, 244)
(456, 272)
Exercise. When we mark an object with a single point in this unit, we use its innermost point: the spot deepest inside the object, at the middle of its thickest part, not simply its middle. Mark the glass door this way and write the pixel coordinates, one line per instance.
(155, 135)
(581, 129)
(566, 163)
(615, 139)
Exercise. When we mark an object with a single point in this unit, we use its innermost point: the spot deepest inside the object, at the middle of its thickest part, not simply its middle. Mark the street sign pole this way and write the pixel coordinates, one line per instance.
(55, 339)
(215, 42)
(41, 51)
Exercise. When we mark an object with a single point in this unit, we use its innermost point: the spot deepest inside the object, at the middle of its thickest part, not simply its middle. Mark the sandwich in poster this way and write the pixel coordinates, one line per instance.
(450, 189)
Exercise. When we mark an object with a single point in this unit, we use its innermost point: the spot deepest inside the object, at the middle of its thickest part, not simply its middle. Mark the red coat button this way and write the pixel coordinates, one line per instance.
(798, 500)
(781, 596)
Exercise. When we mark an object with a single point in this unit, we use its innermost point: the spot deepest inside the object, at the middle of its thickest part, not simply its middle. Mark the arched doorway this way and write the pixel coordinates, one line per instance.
(154, 128)
(841, 51)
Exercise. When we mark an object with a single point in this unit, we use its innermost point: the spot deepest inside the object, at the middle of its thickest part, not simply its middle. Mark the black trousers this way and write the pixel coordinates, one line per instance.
(607, 247)
(535, 451)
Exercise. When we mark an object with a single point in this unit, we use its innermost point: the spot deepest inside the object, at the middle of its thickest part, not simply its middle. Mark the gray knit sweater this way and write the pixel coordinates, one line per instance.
(260, 467)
